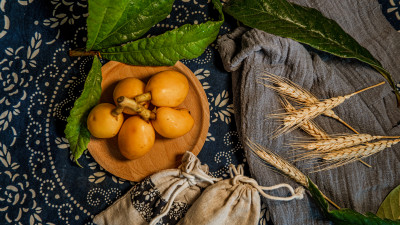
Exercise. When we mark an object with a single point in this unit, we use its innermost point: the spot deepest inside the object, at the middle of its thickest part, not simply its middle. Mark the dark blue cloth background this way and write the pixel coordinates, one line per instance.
(38, 85)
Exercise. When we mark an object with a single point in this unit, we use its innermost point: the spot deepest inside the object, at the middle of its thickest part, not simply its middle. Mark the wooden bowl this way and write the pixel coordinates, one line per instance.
(166, 153)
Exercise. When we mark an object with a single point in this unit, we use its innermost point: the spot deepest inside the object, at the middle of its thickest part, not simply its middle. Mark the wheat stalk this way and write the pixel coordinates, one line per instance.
(317, 149)
(308, 126)
(334, 143)
(278, 162)
(287, 88)
(292, 120)
(344, 156)
(361, 151)
(331, 113)
(282, 165)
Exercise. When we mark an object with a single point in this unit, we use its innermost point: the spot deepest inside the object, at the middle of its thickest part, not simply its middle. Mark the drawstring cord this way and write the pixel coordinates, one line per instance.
(190, 178)
(170, 202)
(238, 176)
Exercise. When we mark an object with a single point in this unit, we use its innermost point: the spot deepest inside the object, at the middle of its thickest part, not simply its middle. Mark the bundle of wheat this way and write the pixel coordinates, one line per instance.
(334, 151)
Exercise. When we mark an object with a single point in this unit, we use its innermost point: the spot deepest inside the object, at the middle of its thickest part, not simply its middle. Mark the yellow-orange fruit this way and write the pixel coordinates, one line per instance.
(172, 123)
(100, 122)
(135, 138)
(129, 87)
(168, 88)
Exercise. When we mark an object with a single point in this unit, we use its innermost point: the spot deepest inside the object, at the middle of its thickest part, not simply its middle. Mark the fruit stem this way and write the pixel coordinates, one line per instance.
(132, 104)
(118, 110)
(145, 97)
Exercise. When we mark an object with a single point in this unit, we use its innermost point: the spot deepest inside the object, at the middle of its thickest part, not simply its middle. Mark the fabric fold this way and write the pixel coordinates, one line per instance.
(247, 53)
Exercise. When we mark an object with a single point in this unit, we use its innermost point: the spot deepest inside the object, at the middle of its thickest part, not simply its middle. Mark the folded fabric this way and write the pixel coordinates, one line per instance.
(250, 52)
(234, 201)
(162, 198)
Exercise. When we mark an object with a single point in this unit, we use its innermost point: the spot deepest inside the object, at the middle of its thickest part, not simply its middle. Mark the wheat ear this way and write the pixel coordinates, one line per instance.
(361, 151)
(317, 149)
(295, 118)
(278, 163)
(341, 157)
(334, 143)
(308, 126)
(282, 166)
(287, 88)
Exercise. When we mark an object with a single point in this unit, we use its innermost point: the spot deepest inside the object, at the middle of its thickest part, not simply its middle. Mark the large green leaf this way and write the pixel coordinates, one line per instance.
(390, 207)
(346, 216)
(185, 42)
(113, 23)
(305, 25)
(76, 131)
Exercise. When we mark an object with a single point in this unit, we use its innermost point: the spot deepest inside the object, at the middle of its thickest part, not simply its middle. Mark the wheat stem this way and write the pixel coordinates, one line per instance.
(330, 201)
(347, 125)
(283, 166)
(367, 88)
(365, 164)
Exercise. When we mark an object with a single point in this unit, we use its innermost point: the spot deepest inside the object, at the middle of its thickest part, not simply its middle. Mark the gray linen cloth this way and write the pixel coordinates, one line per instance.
(248, 52)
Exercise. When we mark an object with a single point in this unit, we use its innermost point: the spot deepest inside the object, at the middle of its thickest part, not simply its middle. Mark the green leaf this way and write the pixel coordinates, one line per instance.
(390, 207)
(185, 42)
(305, 25)
(76, 131)
(348, 216)
(345, 216)
(318, 197)
(113, 22)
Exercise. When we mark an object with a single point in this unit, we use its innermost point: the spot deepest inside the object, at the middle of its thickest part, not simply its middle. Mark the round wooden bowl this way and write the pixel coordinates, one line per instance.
(166, 153)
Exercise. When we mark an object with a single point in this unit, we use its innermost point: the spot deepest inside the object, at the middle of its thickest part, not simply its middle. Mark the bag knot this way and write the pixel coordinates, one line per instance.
(238, 176)
(191, 179)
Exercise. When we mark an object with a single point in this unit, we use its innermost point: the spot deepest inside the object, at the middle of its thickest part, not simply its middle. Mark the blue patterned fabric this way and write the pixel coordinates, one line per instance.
(148, 201)
(38, 85)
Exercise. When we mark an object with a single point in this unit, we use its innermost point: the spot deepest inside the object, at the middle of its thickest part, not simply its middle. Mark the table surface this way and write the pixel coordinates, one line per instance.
(38, 85)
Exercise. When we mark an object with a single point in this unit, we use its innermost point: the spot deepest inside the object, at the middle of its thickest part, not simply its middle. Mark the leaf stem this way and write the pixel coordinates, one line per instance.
(388, 77)
(78, 53)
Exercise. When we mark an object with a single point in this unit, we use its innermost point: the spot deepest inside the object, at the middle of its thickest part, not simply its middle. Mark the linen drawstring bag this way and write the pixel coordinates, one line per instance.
(162, 198)
(233, 201)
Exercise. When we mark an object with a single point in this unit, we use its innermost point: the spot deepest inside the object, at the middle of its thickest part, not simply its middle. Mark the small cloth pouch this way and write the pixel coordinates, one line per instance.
(162, 198)
(233, 201)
